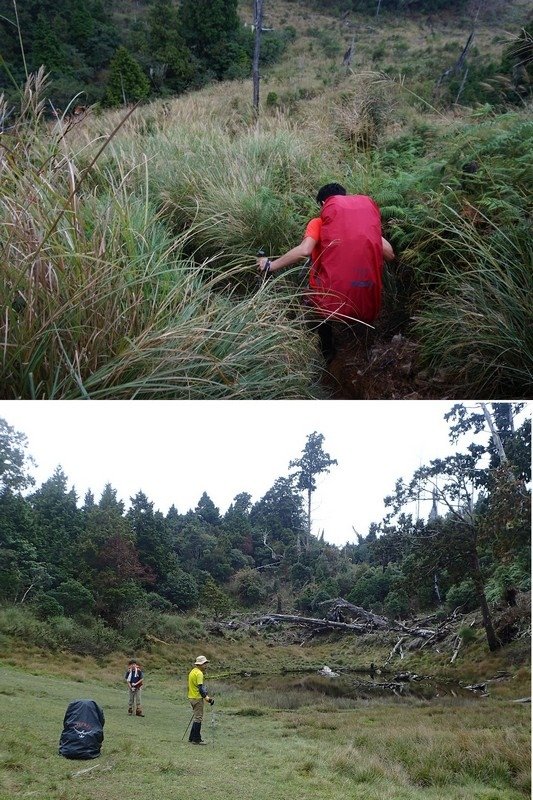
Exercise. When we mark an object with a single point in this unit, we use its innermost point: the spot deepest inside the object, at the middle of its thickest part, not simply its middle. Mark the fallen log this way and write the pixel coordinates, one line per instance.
(344, 616)
(456, 647)
(339, 604)
(319, 624)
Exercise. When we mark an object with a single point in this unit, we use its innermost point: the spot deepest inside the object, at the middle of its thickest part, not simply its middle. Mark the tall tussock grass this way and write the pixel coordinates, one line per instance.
(477, 322)
(101, 298)
(129, 243)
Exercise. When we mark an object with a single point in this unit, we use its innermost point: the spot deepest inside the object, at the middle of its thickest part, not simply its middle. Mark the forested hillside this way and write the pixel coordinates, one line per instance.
(117, 53)
(97, 574)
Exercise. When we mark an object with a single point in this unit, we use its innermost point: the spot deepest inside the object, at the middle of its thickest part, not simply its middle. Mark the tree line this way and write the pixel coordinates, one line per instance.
(98, 560)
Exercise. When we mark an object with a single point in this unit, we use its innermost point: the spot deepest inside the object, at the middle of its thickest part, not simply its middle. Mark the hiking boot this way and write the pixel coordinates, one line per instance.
(130, 711)
(194, 736)
(139, 713)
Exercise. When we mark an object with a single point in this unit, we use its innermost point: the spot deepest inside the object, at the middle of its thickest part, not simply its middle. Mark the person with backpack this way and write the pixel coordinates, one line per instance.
(347, 252)
(197, 694)
(134, 678)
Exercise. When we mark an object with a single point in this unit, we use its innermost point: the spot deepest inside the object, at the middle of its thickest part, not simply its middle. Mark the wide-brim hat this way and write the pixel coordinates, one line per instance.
(200, 661)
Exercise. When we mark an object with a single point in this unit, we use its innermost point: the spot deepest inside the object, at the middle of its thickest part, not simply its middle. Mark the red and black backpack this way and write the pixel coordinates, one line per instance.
(346, 279)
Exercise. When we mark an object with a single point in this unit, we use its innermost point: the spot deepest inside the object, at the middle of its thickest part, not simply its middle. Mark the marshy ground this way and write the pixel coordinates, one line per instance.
(269, 736)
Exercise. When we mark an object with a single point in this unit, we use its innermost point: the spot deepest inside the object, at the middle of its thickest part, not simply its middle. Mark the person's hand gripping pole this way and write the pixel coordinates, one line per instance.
(263, 265)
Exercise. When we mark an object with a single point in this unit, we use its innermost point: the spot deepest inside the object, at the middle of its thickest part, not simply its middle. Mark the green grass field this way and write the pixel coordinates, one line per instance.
(266, 744)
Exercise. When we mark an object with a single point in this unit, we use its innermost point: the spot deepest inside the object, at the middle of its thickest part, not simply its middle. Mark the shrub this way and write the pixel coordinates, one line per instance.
(19, 621)
(249, 587)
(181, 589)
(96, 639)
(396, 604)
(463, 595)
(158, 603)
(513, 575)
(46, 606)
(467, 634)
(73, 597)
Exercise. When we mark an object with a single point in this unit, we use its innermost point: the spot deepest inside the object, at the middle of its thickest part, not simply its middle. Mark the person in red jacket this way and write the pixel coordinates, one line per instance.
(347, 252)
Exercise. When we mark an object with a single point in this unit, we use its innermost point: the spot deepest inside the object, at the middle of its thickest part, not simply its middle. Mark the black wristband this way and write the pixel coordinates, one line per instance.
(268, 264)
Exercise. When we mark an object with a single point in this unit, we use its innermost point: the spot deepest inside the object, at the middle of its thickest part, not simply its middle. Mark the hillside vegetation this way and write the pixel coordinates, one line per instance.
(129, 236)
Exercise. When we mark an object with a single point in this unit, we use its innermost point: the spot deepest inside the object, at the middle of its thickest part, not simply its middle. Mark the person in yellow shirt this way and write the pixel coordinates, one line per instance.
(197, 696)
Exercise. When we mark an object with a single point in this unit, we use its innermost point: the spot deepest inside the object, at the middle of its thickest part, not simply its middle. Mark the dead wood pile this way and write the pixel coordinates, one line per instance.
(344, 616)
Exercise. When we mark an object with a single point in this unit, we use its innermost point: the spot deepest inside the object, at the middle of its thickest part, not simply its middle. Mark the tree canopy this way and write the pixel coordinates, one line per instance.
(99, 558)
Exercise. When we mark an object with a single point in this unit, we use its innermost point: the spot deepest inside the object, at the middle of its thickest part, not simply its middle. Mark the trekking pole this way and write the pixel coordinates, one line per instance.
(263, 275)
(213, 725)
(187, 728)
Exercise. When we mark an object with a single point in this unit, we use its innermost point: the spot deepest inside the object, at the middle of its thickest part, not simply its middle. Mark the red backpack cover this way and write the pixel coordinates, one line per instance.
(346, 278)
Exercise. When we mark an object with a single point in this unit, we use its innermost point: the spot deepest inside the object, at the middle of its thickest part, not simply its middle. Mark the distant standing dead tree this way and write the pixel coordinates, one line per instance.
(347, 60)
(258, 24)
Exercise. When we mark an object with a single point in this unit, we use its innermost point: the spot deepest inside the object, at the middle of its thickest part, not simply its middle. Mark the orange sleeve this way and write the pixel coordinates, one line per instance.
(313, 229)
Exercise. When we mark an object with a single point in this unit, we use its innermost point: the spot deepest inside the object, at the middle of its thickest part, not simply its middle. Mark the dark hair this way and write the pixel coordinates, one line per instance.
(131, 661)
(329, 190)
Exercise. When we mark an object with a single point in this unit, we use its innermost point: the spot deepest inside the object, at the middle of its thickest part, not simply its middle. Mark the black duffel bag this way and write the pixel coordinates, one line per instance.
(83, 730)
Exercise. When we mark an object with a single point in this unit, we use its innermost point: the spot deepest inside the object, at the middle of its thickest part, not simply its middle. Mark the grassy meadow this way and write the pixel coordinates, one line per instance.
(129, 237)
(273, 739)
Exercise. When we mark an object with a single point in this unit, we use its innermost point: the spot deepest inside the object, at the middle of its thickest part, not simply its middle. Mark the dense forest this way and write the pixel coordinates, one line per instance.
(116, 53)
(93, 571)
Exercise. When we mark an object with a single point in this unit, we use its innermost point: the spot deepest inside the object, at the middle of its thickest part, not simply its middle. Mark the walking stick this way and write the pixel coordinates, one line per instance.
(213, 725)
(187, 728)
(265, 274)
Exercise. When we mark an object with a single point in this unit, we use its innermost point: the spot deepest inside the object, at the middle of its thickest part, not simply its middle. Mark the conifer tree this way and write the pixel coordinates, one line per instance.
(312, 462)
(213, 32)
(127, 82)
(59, 523)
(14, 459)
(47, 47)
(171, 61)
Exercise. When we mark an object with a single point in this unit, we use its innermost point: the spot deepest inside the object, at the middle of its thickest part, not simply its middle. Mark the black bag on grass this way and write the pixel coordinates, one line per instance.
(83, 730)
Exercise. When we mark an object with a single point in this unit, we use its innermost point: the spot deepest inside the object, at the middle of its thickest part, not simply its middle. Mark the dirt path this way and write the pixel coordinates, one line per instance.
(378, 369)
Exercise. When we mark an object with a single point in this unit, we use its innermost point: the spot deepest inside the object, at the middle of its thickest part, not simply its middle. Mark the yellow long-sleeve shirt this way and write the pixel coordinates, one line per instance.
(196, 679)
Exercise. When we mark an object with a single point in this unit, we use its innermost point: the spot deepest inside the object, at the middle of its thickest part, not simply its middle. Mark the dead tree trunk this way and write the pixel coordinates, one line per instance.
(258, 23)
(477, 578)
(495, 435)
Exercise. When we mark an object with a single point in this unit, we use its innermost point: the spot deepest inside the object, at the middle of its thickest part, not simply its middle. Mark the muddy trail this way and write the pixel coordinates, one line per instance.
(376, 366)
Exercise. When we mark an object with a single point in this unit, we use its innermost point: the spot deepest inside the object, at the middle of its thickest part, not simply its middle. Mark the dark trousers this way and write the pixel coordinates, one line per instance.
(327, 341)
(335, 334)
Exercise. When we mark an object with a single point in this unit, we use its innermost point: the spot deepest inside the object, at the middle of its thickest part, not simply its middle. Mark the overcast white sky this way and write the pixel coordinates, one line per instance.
(175, 450)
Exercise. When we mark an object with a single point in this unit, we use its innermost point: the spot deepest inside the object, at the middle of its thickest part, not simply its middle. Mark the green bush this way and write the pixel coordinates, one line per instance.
(73, 597)
(96, 639)
(181, 589)
(515, 574)
(249, 587)
(462, 595)
(46, 606)
(467, 634)
(396, 604)
(18, 621)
